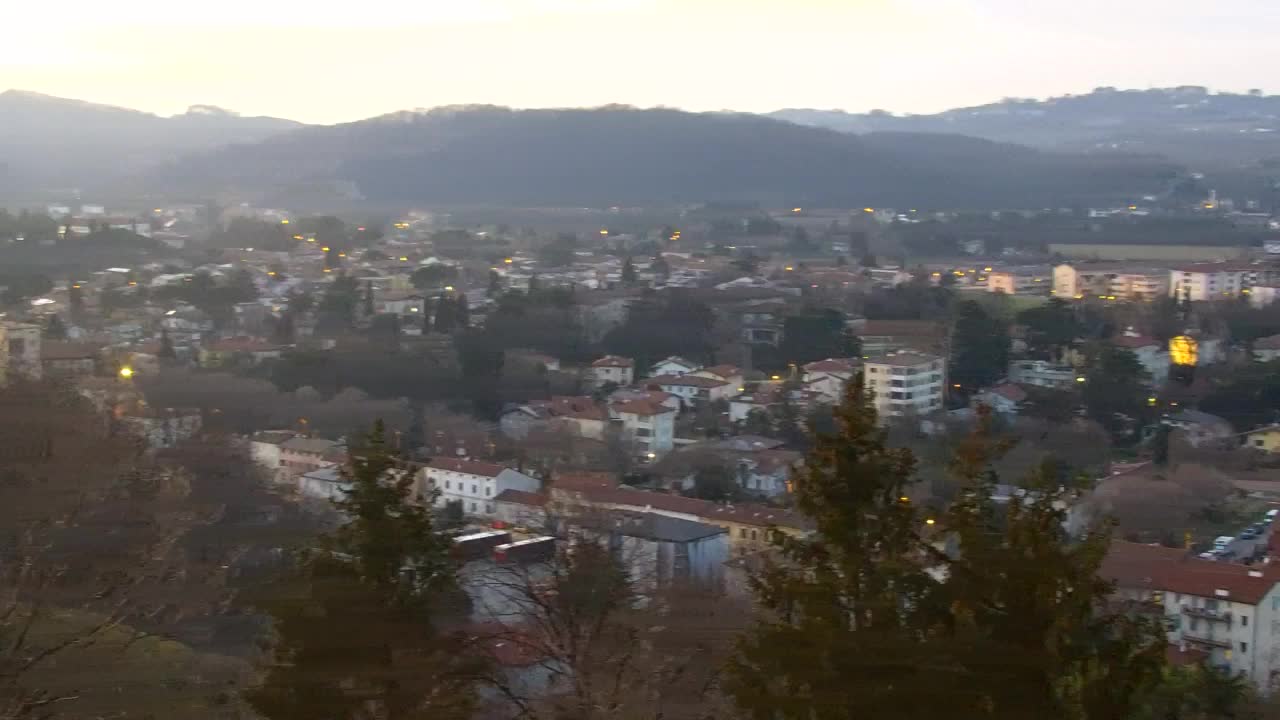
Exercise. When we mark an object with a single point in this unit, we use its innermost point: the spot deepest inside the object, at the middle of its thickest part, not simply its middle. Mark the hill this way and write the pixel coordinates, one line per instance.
(48, 141)
(1190, 125)
(621, 155)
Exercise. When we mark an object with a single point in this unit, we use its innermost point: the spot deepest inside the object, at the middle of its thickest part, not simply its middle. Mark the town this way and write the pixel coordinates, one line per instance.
(663, 381)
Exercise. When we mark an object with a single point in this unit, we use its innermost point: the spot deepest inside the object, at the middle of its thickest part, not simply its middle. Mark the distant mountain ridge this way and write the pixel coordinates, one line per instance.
(52, 141)
(1188, 124)
(622, 155)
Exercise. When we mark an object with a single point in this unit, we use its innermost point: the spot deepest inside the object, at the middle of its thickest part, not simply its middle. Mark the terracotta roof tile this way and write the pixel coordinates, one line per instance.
(1134, 565)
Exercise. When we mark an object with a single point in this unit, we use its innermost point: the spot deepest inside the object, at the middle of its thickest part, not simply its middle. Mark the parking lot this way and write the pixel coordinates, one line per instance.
(1247, 549)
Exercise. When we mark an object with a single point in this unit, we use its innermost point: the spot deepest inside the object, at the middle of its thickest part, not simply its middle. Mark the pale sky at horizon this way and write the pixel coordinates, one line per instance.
(346, 61)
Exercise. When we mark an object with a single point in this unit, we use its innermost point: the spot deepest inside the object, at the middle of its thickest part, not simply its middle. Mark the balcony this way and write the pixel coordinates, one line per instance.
(1207, 614)
(1206, 641)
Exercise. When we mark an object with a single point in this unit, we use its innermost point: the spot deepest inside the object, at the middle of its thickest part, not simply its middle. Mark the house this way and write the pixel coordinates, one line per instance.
(68, 359)
(764, 399)
(1261, 296)
(1025, 280)
(829, 377)
(674, 365)
(1267, 349)
(628, 394)
(326, 483)
(161, 427)
(1266, 439)
(1004, 399)
(522, 509)
(1201, 429)
(583, 414)
(1226, 610)
(238, 350)
(1152, 355)
(301, 455)
(650, 426)
(905, 383)
(657, 549)
(1042, 374)
(473, 484)
(692, 389)
(1109, 280)
(265, 450)
(731, 374)
(1214, 281)
(20, 348)
(613, 369)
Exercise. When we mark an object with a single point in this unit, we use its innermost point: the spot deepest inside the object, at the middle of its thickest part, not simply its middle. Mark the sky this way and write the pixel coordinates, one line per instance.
(328, 62)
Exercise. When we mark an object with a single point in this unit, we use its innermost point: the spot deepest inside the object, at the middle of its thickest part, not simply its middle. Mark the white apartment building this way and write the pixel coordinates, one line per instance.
(20, 350)
(1042, 374)
(1123, 282)
(1028, 280)
(1228, 612)
(613, 369)
(1263, 295)
(473, 484)
(905, 383)
(651, 426)
(1213, 281)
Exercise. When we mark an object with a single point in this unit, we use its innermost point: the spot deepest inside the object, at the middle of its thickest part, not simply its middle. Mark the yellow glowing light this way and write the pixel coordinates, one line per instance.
(956, 386)
(272, 273)
(904, 498)
(1133, 207)
(930, 521)
(404, 259)
(868, 210)
(604, 232)
(790, 268)
(986, 269)
(126, 372)
(796, 209)
(311, 239)
(776, 377)
(284, 222)
(937, 274)
(448, 288)
(342, 254)
(325, 248)
(1184, 350)
(1079, 379)
(158, 210)
(327, 270)
(508, 261)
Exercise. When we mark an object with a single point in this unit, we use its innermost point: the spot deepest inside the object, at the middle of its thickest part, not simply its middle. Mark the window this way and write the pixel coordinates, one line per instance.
(643, 432)
(742, 533)
(473, 489)
(753, 534)
(873, 370)
(448, 485)
(488, 491)
(895, 396)
(1244, 646)
(488, 507)
(897, 383)
(1195, 624)
(472, 507)
(1244, 621)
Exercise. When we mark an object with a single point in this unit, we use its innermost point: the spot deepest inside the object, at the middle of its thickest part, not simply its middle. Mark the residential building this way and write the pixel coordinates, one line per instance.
(265, 450)
(326, 483)
(161, 427)
(673, 365)
(1122, 281)
(238, 351)
(828, 377)
(1025, 280)
(692, 389)
(301, 455)
(21, 348)
(522, 509)
(1266, 439)
(613, 369)
(1226, 610)
(905, 383)
(1153, 355)
(68, 359)
(1263, 295)
(650, 426)
(473, 484)
(1214, 281)
(731, 374)
(1201, 429)
(1004, 399)
(1267, 349)
(764, 398)
(1042, 374)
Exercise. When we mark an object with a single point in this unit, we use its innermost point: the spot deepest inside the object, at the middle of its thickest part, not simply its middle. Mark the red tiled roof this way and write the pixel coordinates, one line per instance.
(583, 479)
(641, 407)
(1134, 565)
(613, 361)
(521, 497)
(1216, 267)
(470, 467)
(722, 371)
(690, 380)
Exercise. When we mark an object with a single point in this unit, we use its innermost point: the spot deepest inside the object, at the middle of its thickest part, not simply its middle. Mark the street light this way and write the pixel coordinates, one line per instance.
(126, 372)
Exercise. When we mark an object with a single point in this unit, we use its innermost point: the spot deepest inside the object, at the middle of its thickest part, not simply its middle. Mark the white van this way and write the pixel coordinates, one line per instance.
(1221, 542)
(1271, 514)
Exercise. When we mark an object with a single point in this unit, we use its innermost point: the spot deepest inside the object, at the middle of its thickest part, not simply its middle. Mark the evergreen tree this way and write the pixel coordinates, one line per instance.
(446, 315)
(428, 311)
(166, 351)
(462, 311)
(54, 329)
(628, 271)
(979, 349)
(359, 626)
(75, 297)
(495, 284)
(368, 299)
(660, 267)
(837, 637)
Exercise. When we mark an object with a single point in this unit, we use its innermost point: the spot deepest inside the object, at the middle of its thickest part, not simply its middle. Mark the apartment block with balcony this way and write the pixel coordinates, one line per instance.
(1025, 280)
(1121, 281)
(1230, 613)
(906, 383)
(1217, 281)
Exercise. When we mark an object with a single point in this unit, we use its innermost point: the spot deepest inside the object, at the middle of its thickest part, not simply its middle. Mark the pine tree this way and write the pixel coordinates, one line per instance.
(166, 351)
(462, 311)
(838, 637)
(428, 310)
(446, 315)
(628, 271)
(368, 299)
(495, 284)
(359, 626)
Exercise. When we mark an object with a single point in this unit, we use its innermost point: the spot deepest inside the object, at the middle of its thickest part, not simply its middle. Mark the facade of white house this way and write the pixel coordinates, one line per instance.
(613, 369)
(474, 484)
(649, 425)
(905, 383)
